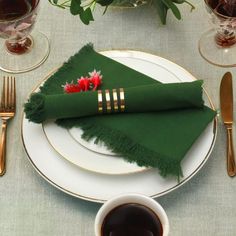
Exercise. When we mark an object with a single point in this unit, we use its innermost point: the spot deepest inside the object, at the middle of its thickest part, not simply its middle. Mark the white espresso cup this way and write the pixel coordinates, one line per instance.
(131, 199)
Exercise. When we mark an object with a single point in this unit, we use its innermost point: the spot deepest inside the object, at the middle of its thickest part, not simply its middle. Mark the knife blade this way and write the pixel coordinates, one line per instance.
(226, 104)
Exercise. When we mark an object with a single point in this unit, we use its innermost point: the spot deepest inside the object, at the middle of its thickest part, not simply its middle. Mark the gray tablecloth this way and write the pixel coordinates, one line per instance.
(29, 206)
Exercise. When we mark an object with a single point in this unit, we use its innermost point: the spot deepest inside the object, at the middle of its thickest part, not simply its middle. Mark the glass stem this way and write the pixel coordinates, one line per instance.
(19, 47)
(225, 39)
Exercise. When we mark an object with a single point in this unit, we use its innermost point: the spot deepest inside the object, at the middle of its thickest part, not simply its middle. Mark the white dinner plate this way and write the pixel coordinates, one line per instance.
(99, 187)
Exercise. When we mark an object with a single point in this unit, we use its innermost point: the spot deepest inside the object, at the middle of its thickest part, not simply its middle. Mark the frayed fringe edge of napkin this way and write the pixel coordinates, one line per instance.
(34, 108)
(130, 150)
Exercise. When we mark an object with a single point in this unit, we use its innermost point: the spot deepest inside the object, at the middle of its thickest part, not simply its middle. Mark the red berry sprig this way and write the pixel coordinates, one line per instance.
(85, 83)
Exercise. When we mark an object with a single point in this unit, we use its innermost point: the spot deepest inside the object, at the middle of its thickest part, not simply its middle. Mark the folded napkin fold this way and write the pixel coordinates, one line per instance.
(160, 122)
(147, 98)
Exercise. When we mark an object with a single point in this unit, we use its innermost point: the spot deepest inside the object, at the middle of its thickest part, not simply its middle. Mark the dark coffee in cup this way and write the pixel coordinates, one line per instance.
(131, 219)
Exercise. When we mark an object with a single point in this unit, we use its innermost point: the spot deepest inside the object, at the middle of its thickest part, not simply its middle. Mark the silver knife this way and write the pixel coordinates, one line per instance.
(226, 103)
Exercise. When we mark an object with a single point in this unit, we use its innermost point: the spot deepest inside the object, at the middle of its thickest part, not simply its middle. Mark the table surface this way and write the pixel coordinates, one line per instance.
(203, 206)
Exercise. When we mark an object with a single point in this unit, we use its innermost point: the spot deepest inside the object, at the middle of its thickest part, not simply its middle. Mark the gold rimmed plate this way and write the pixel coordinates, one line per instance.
(99, 187)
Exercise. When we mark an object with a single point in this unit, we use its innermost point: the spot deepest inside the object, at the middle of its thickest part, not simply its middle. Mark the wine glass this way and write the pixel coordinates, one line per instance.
(20, 51)
(218, 45)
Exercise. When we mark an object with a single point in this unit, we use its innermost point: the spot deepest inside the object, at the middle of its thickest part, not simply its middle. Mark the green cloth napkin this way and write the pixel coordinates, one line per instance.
(153, 139)
(147, 98)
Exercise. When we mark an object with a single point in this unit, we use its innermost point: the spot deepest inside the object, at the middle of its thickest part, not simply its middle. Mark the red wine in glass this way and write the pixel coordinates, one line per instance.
(223, 7)
(11, 10)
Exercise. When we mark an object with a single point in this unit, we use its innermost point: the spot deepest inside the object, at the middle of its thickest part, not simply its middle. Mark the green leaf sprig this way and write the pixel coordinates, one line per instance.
(84, 8)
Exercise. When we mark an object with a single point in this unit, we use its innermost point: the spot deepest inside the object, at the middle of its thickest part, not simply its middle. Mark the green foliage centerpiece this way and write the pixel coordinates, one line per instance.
(84, 8)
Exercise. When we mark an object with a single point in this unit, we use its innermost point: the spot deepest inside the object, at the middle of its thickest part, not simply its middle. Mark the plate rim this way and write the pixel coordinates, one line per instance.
(92, 199)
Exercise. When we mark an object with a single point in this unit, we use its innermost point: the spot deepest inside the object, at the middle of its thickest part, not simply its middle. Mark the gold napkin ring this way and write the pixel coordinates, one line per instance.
(108, 100)
(122, 100)
(115, 100)
(100, 109)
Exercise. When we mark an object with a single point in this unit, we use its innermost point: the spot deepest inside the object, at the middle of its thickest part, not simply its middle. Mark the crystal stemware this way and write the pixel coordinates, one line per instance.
(218, 45)
(21, 51)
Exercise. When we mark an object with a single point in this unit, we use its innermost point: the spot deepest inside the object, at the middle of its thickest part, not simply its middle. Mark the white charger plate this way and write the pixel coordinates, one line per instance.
(97, 187)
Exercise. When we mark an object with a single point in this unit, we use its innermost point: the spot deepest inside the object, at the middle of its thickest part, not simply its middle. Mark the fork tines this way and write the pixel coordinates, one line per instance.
(8, 99)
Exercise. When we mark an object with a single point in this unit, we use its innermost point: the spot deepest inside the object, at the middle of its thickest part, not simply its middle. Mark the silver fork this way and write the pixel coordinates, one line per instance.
(7, 111)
